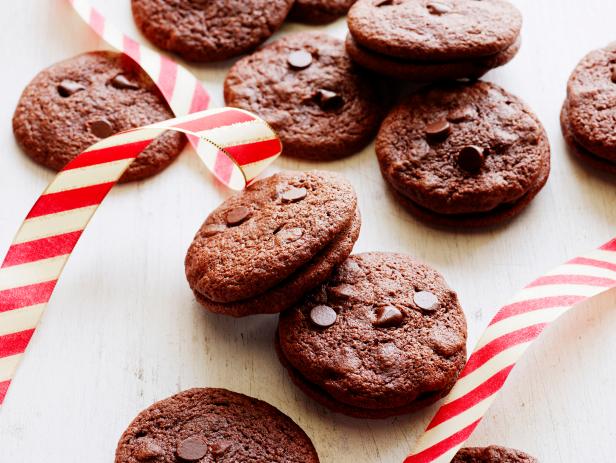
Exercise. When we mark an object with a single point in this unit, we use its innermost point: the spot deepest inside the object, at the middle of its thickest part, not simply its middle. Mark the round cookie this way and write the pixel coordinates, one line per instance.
(590, 107)
(467, 154)
(492, 454)
(211, 30)
(75, 103)
(419, 71)
(319, 11)
(442, 30)
(306, 87)
(290, 226)
(207, 425)
(383, 336)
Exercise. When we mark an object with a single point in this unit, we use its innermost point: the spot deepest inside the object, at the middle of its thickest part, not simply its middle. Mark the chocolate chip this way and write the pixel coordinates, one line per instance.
(438, 130)
(300, 59)
(426, 300)
(343, 291)
(614, 75)
(459, 114)
(289, 235)
(68, 87)
(384, 3)
(388, 316)
(192, 449)
(146, 448)
(327, 99)
(470, 158)
(323, 316)
(213, 229)
(294, 195)
(121, 81)
(237, 215)
(102, 128)
(438, 8)
(220, 447)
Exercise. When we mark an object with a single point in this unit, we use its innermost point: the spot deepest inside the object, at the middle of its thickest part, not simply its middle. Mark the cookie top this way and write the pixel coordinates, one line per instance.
(463, 148)
(591, 102)
(75, 103)
(207, 425)
(383, 332)
(492, 454)
(210, 30)
(444, 29)
(259, 237)
(305, 86)
(319, 11)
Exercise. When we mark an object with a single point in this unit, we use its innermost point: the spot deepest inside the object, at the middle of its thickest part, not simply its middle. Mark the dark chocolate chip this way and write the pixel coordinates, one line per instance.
(470, 158)
(289, 235)
(438, 8)
(146, 448)
(237, 215)
(328, 100)
(384, 3)
(219, 448)
(121, 81)
(323, 316)
(299, 59)
(68, 87)
(213, 229)
(192, 449)
(294, 194)
(388, 316)
(459, 114)
(614, 75)
(438, 129)
(426, 300)
(102, 128)
(343, 291)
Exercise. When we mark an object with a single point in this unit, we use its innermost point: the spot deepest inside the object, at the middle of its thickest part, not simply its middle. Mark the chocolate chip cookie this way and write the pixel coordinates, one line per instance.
(492, 454)
(464, 154)
(305, 86)
(210, 30)
(319, 11)
(449, 39)
(75, 103)
(588, 116)
(383, 336)
(214, 425)
(262, 249)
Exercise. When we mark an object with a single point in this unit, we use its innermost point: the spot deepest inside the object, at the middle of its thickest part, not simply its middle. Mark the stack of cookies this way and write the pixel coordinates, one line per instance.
(424, 41)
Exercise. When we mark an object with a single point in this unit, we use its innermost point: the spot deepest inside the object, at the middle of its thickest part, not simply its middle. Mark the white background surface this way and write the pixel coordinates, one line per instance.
(123, 330)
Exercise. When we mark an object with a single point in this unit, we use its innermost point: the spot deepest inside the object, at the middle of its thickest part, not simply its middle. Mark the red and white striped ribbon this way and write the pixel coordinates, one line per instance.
(510, 333)
(51, 230)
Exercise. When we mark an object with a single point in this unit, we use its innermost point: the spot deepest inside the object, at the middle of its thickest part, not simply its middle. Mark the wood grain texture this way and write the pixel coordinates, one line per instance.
(123, 329)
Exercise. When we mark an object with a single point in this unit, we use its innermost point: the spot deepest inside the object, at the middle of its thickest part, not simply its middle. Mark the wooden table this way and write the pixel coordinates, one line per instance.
(123, 329)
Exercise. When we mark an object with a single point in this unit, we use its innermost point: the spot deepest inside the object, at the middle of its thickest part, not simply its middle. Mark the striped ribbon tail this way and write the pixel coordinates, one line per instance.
(49, 233)
(510, 333)
(184, 94)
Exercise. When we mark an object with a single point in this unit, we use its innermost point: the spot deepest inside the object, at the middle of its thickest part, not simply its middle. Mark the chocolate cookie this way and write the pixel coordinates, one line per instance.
(305, 86)
(492, 454)
(319, 11)
(588, 116)
(425, 71)
(75, 103)
(213, 425)
(262, 249)
(383, 336)
(211, 30)
(465, 154)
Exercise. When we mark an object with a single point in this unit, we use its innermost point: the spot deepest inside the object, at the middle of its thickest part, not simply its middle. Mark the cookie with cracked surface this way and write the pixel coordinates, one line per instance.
(319, 11)
(442, 30)
(207, 425)
(306, 87)
(77, 102)
(383, 336)
(262, 249)
(209, 31)
(492, 454)
(426, 71)
(588, 116)
(465, 155)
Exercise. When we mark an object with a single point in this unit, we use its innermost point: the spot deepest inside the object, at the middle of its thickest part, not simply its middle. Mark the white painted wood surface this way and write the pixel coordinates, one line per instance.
(123, 330)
